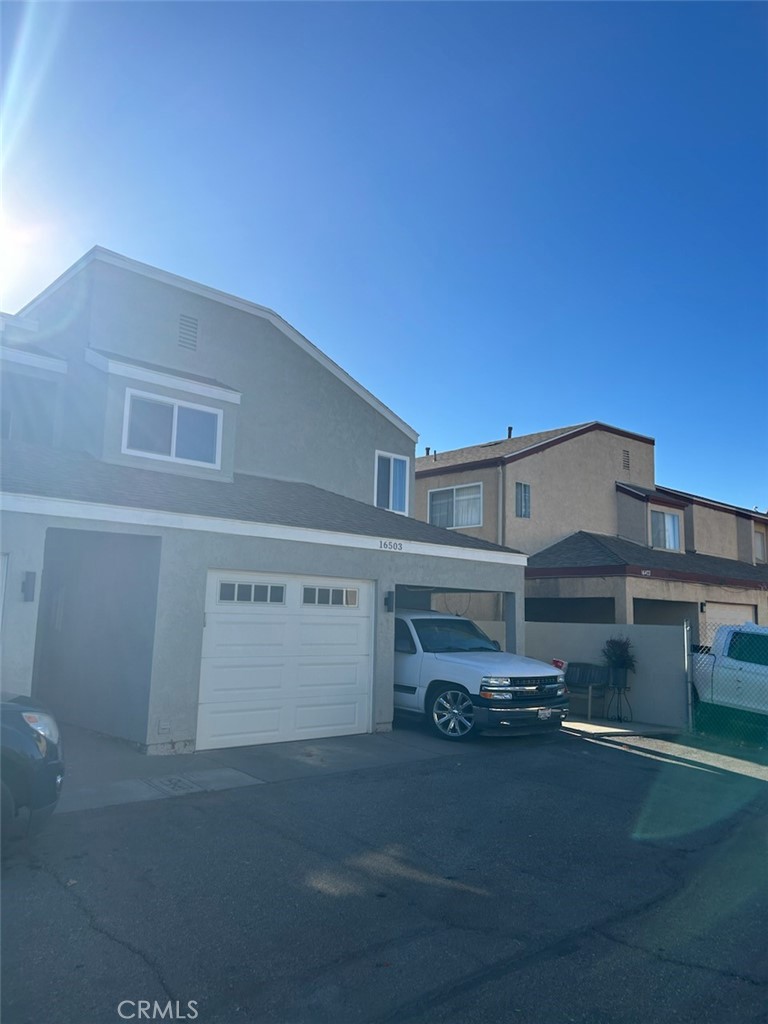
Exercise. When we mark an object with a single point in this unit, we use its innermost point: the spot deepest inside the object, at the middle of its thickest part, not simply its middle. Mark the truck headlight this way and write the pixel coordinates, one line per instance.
(495, 681)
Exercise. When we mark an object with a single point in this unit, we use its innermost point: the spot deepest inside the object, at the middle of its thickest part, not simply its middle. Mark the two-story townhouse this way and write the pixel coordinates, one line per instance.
(606, 544)
(206, 522)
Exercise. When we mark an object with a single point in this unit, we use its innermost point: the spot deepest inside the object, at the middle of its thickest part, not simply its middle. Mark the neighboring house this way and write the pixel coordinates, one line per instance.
(206, 522)
(605, 543)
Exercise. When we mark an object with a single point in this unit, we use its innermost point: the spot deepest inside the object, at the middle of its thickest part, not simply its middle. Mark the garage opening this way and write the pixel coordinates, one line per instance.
(96, 629)
(492, 611)
(570, 609)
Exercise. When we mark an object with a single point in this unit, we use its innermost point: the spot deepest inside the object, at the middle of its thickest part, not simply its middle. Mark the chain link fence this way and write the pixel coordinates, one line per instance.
(729, 671)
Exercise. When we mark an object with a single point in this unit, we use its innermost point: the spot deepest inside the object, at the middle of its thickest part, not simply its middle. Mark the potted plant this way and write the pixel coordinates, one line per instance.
(620, 658)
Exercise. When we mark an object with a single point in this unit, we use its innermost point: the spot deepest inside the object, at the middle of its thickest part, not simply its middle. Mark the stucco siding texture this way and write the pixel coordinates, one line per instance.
(571, 474)
(286, 392)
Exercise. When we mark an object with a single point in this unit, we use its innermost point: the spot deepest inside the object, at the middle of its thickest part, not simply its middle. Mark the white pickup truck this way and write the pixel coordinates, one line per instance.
(733, 672)
(448, 670)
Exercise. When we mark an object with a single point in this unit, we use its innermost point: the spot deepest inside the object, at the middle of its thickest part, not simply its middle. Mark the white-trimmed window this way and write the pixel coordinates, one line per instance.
(456, 507)
(760, 544)
(391, 486)
(523, 501)
(339, 597)
(665, 530)
(165, 428)
(252, 593)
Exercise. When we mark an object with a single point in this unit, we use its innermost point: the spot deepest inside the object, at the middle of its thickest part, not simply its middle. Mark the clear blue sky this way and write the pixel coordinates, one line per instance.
(527, 214)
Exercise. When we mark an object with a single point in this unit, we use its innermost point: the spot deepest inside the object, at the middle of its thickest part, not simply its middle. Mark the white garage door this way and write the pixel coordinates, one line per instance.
(719, 613)
(284, 658)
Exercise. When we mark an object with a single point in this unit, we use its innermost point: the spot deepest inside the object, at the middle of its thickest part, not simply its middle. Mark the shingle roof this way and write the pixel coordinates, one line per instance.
(74, 476)
(493, 451)
(584, 550)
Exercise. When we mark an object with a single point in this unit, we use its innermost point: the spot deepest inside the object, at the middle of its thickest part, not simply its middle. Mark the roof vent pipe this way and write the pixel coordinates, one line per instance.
(509, 432)
(426, 451)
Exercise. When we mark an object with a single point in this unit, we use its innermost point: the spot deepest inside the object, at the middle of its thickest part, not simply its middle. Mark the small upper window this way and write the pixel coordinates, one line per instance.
(162, 428)
(523, 501)
(665, 530)
(457, 506)
(391, 482)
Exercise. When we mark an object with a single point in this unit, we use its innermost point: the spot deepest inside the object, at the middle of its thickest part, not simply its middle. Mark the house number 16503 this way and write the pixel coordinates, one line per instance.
(391, 545)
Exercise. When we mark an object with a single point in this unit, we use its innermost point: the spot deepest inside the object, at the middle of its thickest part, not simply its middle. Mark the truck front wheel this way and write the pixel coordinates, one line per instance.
(450, 713)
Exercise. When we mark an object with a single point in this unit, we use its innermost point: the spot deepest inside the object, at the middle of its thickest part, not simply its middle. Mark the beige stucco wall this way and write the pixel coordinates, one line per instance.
(573, 487)
(658, 691)
(488, 477)
(715, 532)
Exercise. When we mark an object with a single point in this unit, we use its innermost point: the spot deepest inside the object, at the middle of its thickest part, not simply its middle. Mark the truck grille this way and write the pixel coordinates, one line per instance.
(543, 686)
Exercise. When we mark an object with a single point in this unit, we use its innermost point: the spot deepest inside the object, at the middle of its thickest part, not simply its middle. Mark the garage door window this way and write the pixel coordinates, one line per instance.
(252, 593)
(341, 597)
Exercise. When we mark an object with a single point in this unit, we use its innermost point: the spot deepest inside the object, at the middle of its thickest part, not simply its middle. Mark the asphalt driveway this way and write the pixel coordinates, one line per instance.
(514, 880)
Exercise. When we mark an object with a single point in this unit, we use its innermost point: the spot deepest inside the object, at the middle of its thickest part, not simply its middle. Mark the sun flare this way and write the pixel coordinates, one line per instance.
(19, 244)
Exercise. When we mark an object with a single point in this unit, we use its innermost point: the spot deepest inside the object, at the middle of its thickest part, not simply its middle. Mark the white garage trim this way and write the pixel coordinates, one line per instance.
(239, 528)
(285, 657)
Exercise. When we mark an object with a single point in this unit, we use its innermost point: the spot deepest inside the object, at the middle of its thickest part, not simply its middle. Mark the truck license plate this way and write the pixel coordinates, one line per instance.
(545, 713)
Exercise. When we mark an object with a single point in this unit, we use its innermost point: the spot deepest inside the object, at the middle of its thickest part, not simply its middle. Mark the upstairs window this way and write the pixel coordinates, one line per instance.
(391, 482)
(162, 428)
(523, 501)
(665, 530)
(760, 545)
(457, 507)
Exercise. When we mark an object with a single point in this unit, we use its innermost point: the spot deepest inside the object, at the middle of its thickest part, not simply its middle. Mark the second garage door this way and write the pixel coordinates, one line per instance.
(284, 658)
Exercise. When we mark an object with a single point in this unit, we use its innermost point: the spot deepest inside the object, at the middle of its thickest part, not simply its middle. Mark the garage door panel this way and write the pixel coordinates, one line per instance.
(325, 633)
(285, 671)
(337, 716)
(315, 676)
(239, 725)
(228, 635)
(240, 679)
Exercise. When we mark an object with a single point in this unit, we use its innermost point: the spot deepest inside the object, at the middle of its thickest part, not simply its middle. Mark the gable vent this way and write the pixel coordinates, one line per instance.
(625, 459)
(188, 332)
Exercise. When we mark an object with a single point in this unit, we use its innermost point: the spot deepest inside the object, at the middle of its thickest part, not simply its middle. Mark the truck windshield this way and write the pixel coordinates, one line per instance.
(441, 635)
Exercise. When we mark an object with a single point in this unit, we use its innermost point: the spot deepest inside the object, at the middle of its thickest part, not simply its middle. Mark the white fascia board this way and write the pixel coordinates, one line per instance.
(167, 380)
(206, 292)
(64, 508)
(40, 362)
(12, 320)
